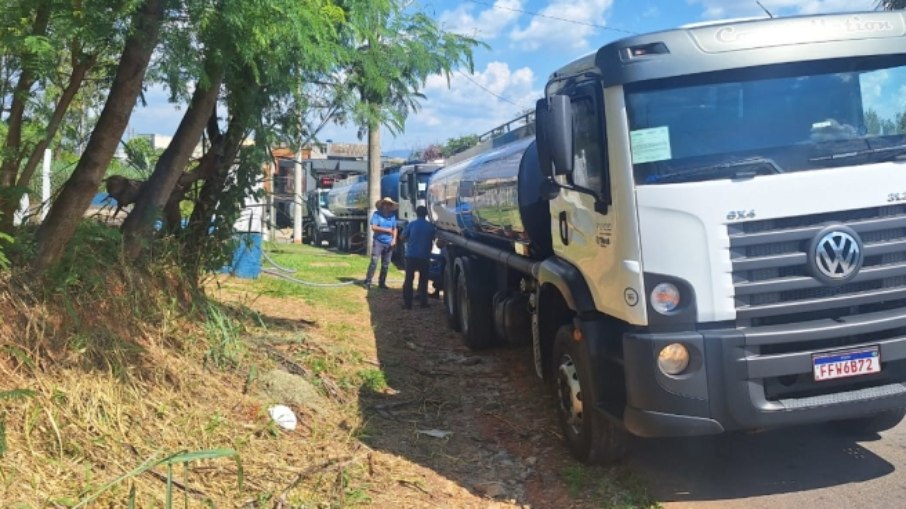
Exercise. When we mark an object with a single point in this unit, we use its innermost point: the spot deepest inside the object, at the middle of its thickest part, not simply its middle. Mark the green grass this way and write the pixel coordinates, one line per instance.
(320, 267)
(575, 477)
(373, 379)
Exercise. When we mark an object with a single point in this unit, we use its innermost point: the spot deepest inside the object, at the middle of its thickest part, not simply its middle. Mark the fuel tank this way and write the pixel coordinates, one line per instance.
(495, 197)
(349, 198)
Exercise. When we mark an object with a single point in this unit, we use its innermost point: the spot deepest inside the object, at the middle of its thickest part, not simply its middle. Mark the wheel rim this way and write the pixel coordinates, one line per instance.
(569, 392)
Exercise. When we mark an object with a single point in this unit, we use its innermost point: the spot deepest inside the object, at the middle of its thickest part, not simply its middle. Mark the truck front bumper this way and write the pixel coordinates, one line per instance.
(740, 380)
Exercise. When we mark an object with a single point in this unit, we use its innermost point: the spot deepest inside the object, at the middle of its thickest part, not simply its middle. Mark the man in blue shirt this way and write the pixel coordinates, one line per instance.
(419, 237)
(383, 224)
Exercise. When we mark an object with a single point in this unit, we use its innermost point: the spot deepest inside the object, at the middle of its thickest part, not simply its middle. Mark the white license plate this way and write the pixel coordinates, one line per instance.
(843, 364)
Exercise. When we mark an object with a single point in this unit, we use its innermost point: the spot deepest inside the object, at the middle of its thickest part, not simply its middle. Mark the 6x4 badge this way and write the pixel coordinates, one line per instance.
(739, 215)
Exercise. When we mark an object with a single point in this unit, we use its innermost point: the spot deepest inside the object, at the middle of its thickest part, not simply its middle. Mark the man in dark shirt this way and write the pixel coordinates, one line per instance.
(419, 237)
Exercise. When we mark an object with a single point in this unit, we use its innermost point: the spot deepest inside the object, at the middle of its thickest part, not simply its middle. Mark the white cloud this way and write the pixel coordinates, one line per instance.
(716, 9)
(470, 105)
(487, 25)
(546, 31)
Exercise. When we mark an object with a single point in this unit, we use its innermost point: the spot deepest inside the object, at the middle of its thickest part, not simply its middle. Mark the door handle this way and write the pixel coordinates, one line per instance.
(564, 228)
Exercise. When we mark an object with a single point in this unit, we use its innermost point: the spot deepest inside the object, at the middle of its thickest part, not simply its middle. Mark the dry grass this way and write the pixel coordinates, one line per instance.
(109, 372)
(108, 384)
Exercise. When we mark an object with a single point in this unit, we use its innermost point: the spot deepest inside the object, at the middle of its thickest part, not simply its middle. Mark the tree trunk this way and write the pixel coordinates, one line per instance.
(217, 164)
(57, 229)
(79, 71)
(139, 225)
(374, 178)
(12, 149)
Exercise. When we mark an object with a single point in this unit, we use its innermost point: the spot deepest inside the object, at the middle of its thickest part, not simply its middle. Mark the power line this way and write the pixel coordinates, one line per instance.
(556, 18)
(486, 89)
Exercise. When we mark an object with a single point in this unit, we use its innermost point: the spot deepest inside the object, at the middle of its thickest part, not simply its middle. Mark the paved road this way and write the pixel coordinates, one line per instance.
(803, 467)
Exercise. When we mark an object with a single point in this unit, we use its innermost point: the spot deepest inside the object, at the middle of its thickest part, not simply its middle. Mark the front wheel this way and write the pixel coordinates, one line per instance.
(873, 423)
(591, 437)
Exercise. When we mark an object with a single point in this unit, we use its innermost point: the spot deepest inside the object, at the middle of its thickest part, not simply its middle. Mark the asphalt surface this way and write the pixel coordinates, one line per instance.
(802, 467)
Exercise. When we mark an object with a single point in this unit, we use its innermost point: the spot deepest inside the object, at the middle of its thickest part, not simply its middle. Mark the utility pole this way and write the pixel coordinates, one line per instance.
(298, 172)
(45, 184)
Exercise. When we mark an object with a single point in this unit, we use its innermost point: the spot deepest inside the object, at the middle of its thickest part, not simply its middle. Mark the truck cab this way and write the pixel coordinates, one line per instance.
(319, 224)
(414, 188)
(724, 232)
(732, 198)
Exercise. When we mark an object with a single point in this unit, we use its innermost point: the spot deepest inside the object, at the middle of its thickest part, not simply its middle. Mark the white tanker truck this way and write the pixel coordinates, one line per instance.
(706, 232)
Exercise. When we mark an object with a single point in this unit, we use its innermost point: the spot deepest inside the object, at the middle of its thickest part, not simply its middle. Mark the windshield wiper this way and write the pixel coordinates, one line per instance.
(892, 151)
(739, 169)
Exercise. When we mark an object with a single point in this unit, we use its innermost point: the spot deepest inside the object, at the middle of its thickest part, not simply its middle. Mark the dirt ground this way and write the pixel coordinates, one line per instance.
(461, 428)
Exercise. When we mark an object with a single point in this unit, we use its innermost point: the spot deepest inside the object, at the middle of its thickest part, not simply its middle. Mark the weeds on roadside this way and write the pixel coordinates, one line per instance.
(373, 380)
(225, 345)
(10, 395)
(609, 488)
(181, 458)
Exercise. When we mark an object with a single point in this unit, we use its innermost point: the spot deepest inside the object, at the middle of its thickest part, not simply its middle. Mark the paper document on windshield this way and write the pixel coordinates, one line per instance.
(652, 144)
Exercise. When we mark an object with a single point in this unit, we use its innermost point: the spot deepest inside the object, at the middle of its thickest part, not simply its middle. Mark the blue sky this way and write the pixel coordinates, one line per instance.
(528, 39)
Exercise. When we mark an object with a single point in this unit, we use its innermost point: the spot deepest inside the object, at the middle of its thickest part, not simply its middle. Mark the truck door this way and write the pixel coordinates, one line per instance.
(583, 226)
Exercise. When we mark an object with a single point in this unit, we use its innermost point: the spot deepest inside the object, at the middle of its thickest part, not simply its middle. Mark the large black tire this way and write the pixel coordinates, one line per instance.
(473, 298)
(451, 311)
(342, 238)
(876, 423)
(591, 437)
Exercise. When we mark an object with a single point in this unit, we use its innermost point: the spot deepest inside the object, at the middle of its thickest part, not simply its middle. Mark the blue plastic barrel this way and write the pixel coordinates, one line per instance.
(247, 255)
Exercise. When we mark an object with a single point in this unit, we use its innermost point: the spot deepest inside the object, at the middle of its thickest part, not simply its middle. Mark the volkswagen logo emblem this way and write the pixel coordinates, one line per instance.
(836, 254)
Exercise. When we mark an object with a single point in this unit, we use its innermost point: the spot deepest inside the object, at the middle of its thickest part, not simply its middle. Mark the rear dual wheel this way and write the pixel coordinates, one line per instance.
(450, 308)
(474, 306)
(341, 237)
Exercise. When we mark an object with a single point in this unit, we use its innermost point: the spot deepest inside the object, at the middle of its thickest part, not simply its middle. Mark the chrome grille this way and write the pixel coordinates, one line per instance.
(773, 282)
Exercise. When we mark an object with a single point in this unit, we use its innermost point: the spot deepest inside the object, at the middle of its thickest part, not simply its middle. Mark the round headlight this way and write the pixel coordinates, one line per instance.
(673, 359)
(665, 298)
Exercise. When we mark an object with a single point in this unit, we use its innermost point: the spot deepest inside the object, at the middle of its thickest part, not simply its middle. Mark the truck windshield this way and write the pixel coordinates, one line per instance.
(322, 199)
(423, 179)
(765, 121)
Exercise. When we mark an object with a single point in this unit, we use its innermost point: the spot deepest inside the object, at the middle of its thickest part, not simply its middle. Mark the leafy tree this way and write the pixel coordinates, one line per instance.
(391, 52)
(140, 155)
(264, 87)
(872, 122)
(259, 55)
(457, 145)
(75, 197)
(52, 58)
(431, 152)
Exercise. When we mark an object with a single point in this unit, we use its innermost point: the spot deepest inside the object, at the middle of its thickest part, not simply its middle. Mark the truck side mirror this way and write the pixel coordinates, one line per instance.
(559, 134)
(542, 121)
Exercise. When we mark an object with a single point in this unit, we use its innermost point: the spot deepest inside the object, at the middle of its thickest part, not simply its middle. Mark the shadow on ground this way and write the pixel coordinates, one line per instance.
(737, 466)
(468, 417)
(484, 421)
